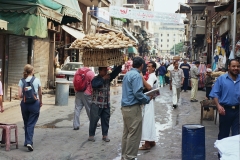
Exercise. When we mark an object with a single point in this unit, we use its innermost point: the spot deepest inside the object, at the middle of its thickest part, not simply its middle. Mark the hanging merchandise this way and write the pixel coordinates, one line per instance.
(237, 49)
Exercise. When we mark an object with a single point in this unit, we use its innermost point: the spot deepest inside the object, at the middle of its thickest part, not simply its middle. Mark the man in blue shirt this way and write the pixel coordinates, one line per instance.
(186, 68)
(132, 98)
(226, 94)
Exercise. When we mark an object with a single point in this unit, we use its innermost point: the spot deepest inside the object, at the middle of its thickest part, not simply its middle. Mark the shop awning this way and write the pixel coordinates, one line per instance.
(74, 32)
(106, 28)
(129, 34)
(3, 24)
(29, 17)
(132, 50)
(71, 9)
(44, 8)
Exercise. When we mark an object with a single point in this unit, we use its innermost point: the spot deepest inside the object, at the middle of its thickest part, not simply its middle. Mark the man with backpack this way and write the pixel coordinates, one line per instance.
(83, 93)
(100, 107)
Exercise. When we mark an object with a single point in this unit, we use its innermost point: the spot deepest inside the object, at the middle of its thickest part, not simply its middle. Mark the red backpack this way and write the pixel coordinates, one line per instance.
(80, 79)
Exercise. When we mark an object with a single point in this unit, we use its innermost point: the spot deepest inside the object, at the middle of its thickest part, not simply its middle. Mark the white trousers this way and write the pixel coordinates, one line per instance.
(176, 94)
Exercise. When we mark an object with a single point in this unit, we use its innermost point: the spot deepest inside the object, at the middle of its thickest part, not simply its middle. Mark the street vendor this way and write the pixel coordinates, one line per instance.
(100, 107)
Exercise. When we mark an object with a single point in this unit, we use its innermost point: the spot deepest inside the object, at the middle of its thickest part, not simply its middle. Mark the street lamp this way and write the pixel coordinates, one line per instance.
(213, 25)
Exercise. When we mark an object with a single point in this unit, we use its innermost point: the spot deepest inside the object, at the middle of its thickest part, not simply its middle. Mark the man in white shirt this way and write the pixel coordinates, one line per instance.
(176, 82)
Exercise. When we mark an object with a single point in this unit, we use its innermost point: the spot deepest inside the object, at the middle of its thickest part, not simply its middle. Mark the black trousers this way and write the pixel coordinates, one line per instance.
(229, 121)
(208, 90)
(185, 84)
(167, 79)
(95, 114)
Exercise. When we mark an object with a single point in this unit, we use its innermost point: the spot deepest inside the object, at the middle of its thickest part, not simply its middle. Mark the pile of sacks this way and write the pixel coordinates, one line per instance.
(109, 40)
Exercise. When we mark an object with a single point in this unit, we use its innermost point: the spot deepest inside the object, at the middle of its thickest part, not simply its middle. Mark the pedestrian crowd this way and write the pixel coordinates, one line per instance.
(137, 106)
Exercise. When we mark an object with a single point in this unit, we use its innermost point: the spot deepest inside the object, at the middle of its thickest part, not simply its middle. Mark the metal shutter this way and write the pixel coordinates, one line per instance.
(41, 59)
(18, 53)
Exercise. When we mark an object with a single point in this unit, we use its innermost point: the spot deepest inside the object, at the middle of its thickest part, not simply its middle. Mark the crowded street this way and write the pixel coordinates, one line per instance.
(55, 139)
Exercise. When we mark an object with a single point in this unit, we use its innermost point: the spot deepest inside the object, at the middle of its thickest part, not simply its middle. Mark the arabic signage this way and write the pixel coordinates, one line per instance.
(144, 15)
(102, 15)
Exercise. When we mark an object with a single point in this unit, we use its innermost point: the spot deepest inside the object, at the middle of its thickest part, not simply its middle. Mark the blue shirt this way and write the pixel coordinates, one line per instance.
(132, 89)
(226, 90)
(162, 70)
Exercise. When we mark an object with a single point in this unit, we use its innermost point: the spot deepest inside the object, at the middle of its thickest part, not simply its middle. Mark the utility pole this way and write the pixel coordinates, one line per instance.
(234, 26)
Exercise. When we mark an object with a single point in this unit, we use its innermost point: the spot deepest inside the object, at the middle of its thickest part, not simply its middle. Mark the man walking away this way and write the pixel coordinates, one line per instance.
(161, 72)
(176, 81)
(226, 94)
(194, 73)
(100, 107)
(132, 99)
(186, 68)
(83, 96)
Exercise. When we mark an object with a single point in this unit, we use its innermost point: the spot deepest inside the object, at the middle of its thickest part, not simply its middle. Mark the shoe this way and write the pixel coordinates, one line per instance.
(194, 100)
(185, 91)
(91, 139)
(98, 125)
(106, 139)
(174, 106)
(77, 128)
(30, 147)
(25, 145)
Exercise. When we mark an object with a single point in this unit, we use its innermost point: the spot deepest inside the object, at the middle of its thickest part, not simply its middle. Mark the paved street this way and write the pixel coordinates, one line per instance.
(54, 137)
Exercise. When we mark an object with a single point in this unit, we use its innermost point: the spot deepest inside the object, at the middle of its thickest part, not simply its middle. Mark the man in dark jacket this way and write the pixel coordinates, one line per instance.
(161, 72)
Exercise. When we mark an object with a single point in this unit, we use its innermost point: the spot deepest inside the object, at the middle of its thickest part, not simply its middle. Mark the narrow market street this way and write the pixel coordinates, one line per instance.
(54, 138)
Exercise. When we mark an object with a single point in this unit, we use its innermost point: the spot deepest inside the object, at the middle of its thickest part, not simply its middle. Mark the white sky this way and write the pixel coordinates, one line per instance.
(167, 6)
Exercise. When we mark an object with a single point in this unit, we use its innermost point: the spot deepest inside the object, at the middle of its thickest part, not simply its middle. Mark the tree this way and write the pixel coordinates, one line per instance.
(178, 48)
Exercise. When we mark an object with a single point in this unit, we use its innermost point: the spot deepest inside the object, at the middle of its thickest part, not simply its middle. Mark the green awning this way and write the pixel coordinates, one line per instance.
(121, 19)
(132, 50)
(26, 24)
(37, 7)
(70, 9)
(29, 17)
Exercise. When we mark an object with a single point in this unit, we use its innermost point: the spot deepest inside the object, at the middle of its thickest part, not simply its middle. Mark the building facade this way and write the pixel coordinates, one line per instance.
(168, 35)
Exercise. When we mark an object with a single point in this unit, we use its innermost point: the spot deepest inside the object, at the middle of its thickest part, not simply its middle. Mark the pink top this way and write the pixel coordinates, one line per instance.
(90, 75)
(1, 91)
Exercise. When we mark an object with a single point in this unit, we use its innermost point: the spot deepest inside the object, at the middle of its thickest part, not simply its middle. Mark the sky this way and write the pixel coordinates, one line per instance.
(167, 6)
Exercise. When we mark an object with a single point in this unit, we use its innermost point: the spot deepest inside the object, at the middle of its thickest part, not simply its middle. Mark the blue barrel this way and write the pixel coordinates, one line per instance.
(193, 142)
(62, 93)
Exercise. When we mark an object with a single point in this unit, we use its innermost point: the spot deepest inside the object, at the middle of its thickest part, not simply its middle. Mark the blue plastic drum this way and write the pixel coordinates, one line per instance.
(193, 142)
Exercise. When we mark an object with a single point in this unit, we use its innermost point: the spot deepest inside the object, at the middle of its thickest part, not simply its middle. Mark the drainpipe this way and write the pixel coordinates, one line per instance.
(191, 35)
(234, 26)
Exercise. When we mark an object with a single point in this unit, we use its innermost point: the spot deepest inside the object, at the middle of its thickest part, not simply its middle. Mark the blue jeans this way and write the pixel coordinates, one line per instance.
(30, 114)
(228, 121)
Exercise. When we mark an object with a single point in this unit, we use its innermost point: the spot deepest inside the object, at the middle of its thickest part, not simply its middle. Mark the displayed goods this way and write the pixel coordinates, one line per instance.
(109, 40)
(102, 57)
(80, 79)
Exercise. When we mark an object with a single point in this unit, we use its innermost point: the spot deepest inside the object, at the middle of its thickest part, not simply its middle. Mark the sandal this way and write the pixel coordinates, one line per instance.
(91, 139)
(144, 147)
(106, 139)
(152, 144)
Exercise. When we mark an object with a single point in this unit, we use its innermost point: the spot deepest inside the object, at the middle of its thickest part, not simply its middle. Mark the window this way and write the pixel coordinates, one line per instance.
(167, 51)
(180, 40)
(167, 40)
(173, 34)
(167, 45)
(161, 40)
(161, 35)
(168, 35)
(161, 45)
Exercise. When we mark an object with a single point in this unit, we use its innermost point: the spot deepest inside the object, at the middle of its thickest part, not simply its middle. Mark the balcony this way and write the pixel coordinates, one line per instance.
(200, 24)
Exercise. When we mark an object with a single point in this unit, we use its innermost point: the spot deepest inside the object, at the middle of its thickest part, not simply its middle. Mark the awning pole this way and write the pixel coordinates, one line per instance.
(234, 25)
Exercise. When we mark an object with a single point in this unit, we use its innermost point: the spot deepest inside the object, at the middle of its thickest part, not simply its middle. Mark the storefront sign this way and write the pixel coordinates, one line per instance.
(102, 15)
(144, 15)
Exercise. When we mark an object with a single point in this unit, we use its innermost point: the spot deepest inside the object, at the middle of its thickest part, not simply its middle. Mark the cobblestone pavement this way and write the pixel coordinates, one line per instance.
(55, 139)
